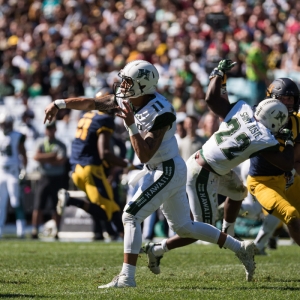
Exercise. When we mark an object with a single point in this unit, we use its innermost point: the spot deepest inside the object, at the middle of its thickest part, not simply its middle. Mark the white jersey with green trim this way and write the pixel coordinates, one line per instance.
(156, 114)
(239, 136)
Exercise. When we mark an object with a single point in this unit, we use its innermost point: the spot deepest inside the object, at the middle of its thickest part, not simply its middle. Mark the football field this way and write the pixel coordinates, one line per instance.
(65, 270)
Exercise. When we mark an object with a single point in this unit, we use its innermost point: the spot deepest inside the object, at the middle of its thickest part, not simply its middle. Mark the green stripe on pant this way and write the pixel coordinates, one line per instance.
(201, 188)
(154, 189)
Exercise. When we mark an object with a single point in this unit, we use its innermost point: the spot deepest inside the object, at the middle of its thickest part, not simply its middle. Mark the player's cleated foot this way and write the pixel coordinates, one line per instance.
(120, 281)
(153, 261)
(246, 256)
(63, 196)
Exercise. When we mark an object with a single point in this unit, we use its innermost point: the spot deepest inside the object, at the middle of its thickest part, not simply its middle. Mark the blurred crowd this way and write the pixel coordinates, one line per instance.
(65, 48)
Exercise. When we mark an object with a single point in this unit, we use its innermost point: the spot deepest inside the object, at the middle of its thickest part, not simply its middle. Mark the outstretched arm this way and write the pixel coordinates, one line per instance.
(217, 103)
(216, 95)
(103, 103)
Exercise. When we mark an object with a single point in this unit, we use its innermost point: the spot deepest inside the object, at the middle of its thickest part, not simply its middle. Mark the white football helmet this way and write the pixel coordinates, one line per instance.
(141, 78)
(272, 113)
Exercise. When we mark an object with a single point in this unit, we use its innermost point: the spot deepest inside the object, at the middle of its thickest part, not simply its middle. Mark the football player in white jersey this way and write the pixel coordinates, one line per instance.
(150, 120)
(244, 132)
(11, 148)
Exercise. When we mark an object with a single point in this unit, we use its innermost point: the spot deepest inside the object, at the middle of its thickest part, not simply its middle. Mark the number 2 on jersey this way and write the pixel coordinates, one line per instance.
(242, 139)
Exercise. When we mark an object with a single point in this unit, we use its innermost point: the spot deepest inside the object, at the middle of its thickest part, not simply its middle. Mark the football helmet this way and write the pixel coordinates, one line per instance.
(272, 113)
(139, 77)
(285, 87)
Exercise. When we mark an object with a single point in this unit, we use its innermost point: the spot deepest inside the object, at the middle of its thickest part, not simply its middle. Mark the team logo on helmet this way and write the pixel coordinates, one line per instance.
(143, 73)
(280, 116)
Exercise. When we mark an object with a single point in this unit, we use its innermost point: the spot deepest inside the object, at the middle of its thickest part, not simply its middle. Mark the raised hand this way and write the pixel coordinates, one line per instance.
(226, 65)
(50, 112)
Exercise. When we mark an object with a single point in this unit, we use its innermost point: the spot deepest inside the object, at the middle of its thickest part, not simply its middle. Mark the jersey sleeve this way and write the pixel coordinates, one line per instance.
(163, 120)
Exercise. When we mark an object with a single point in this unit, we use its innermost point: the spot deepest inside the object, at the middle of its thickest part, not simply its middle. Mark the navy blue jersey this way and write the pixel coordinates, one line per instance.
(84, 147)
(260, 166)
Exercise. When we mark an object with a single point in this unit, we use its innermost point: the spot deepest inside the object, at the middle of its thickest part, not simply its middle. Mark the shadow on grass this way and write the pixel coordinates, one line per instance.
(12, 282)
(283, 288)
(22, 296)
(279, 288)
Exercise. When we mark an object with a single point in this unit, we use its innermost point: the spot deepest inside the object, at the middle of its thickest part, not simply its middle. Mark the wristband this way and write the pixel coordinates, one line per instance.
(216, 72)
(132, 129)
(60, 103)
(289, 142)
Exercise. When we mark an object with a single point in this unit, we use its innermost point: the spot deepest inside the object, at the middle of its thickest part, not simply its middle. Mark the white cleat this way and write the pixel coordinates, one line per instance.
(63, 196)
(120, 281)
(153, 261)
(246, 256)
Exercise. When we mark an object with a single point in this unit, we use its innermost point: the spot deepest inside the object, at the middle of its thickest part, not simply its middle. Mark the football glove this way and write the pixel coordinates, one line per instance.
(289, 178)
(286, 135)
(224, 66)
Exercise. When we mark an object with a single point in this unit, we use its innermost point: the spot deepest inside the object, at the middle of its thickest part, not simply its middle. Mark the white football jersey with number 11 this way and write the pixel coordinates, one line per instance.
(239, 137)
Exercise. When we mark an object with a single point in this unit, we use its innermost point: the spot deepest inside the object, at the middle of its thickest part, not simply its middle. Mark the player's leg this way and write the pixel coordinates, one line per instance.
(154, 189)
(266, 230)
(292, 194)
(92, 180)
(202, 189)
(176, 211)
(270, 192)
(232, 186)
(40, 199)
(3, 199)
(13, 188)
(54, 185)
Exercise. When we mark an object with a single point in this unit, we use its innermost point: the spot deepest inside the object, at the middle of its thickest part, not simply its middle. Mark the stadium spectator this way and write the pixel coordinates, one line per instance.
(51, 155)
(12, 148)
(208, 125)
(192, 141)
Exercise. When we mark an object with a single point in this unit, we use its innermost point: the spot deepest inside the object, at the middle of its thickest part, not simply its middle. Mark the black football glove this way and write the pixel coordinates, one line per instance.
(286, 135)
(289, 178)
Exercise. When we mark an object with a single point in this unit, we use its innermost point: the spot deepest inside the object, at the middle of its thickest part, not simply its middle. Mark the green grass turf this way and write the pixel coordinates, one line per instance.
(58, 270)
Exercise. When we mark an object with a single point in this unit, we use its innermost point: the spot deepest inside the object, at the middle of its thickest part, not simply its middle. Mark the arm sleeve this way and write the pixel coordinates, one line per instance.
(163, 120)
